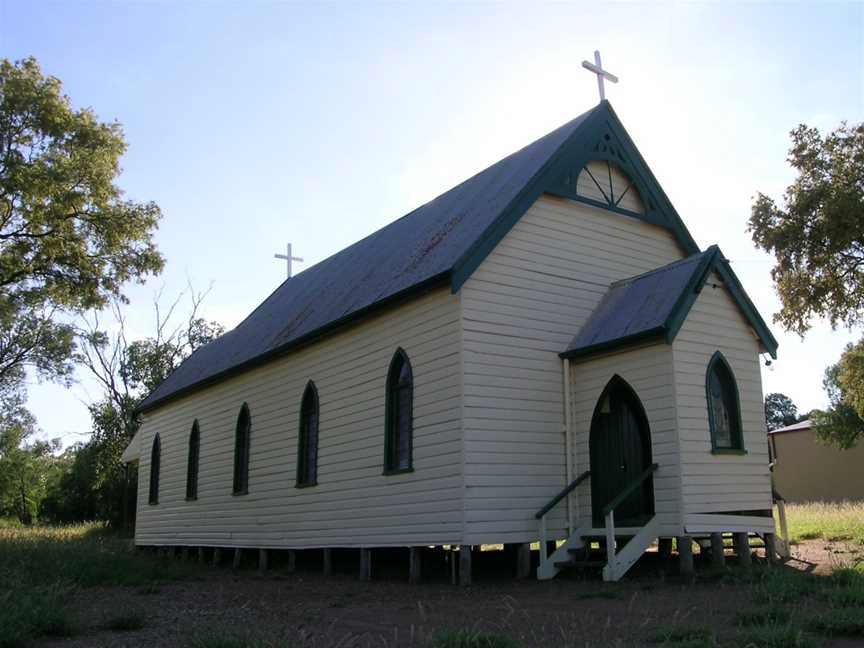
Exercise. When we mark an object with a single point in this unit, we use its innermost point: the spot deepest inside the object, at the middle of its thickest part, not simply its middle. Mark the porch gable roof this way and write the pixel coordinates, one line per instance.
(655, 304)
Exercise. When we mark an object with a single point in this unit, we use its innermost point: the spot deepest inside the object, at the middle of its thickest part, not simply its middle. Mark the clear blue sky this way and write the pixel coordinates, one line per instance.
(252, 123)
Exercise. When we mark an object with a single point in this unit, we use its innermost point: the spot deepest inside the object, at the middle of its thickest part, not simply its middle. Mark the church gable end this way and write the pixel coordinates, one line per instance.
(621, 183)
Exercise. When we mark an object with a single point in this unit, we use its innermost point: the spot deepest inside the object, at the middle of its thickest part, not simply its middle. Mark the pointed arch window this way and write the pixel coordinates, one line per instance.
(307, 446)
(241, 451)
(192, 462)
(398, 446)
(155, 460)
(724, 410)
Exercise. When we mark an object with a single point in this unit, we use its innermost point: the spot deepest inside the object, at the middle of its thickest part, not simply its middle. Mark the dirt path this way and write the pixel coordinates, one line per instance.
(311, 610)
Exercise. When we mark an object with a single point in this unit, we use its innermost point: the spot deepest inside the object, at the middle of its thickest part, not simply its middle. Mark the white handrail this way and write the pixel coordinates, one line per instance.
(611, 557)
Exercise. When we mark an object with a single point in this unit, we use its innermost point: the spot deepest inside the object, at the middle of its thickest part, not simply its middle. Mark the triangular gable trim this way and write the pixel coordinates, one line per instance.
(584, 145)
(716, 262)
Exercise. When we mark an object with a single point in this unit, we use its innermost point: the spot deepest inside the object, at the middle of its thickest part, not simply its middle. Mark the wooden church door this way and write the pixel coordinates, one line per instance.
(620, 450)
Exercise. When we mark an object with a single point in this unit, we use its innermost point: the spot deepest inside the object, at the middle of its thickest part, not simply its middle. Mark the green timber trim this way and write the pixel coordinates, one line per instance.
(738, 432)
(737, 290)
(715, 261)
(766, 513)
(575, 153)
(633, 485)
(561, 495)
(336, 326)
(655, 334)
(688, 296)
(647, 182)
(565, 192)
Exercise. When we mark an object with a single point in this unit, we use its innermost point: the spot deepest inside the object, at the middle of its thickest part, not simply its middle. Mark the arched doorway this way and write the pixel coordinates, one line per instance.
(620, 450)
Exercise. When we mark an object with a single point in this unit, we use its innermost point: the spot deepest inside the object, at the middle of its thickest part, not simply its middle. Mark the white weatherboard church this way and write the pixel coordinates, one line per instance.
(541, 353)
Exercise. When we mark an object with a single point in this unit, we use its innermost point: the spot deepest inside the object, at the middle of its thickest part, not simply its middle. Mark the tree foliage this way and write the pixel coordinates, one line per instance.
(817, 236)
(26, 465)
(97, 484)
(842, 424)
(780, 411)
(69, 240)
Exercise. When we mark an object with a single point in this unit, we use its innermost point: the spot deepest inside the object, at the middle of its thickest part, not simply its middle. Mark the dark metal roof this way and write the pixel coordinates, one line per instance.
(636, 308)
(656, 303)
(411, 253)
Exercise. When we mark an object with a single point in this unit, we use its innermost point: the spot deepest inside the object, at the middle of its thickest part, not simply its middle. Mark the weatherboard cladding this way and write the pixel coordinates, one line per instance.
(417, 249)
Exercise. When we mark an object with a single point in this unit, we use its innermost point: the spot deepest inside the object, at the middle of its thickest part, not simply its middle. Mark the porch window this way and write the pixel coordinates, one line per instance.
(155, 459)
(307, 447)
(724, 412)
(241, 451)
(398, 444)
(192, 462)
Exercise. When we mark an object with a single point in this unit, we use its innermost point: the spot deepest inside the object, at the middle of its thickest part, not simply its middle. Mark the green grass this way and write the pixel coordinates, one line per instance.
(765, 615)
(831, 522)
(30, 612)
(846, 622)
(41, 567)
(82, 555)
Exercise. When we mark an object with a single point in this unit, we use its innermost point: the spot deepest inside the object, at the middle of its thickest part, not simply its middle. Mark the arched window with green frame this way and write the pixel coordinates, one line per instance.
(399, 441)
(192, 462)
(155, 462)
(307, 445)
(724, 409)
(241, 451)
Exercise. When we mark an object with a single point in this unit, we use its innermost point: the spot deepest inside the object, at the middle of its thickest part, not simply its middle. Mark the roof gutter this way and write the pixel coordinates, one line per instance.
(654, 334)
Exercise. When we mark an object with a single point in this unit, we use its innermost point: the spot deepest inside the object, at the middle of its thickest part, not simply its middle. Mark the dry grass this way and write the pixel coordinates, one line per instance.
(41, 567)
(837, 522)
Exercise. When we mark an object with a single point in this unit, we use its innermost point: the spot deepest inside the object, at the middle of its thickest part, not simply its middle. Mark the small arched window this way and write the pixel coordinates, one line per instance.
(241, 451)
(155, 460)
(724, 411)
(604, 183)
(307, 447)
(192, 462)
(398, 443)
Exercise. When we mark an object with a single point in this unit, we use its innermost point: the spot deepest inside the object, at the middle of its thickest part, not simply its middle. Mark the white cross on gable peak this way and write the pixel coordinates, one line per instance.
(597, 68)
(289, 257)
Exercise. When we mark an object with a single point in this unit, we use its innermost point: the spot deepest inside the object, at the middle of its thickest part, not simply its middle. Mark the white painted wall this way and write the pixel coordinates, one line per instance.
(353, 503)
(489, 448)
(712, 482)
(522, 307)
(648, 370)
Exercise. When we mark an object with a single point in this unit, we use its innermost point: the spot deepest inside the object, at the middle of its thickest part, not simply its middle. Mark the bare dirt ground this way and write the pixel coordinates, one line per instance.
(309, 609)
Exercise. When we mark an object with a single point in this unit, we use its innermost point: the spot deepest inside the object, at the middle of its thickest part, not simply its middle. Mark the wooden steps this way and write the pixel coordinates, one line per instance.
(576, 553)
